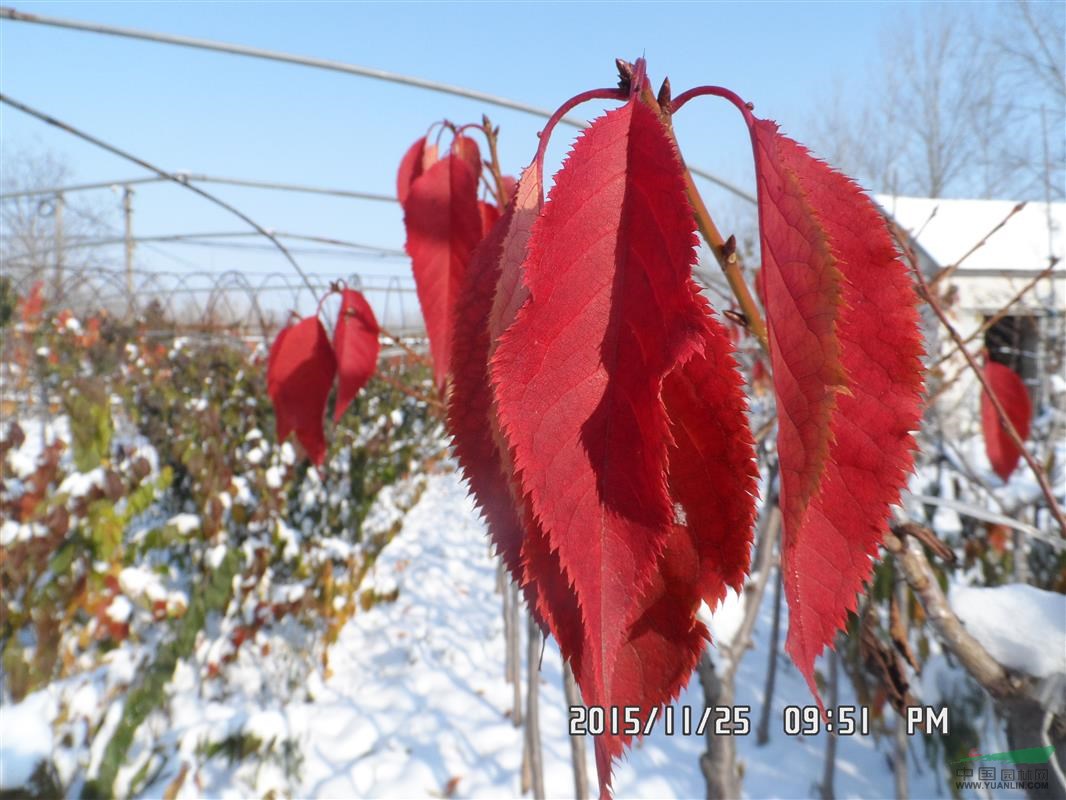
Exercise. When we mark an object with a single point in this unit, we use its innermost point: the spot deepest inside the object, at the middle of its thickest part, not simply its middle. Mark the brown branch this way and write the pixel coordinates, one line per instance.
(1008, 426)
(724, 250)
(421, 358)
(971, 653)
(491, 136)
(948, 271)
(1002, 312)
(753, 593)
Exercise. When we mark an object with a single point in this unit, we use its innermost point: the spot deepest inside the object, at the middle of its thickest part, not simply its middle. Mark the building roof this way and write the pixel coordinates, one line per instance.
(946, 229)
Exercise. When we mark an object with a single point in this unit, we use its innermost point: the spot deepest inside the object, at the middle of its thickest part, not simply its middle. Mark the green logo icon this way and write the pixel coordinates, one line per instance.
(1030, 755)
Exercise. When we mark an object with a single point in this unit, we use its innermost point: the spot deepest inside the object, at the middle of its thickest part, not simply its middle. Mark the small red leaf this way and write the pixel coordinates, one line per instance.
(466, 148)
(844, 350)
(1010, 390)
(356, 346)
(418, 158)
(300, 370)
(443, 227)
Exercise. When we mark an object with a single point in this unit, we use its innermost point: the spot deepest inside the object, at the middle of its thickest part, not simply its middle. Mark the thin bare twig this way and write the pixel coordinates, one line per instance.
(988, 323)
(725, 250)
(948, 271)
(1008, 426)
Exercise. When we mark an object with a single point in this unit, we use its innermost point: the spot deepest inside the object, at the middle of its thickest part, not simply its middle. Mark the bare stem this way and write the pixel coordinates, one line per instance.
(988, 323)
(948, 271)
(971, 653)
(492, 136)
(1008, 426)
(724, 250)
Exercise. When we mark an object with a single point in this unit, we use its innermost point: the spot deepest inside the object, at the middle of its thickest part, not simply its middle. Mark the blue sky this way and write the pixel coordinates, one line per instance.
(213, 113)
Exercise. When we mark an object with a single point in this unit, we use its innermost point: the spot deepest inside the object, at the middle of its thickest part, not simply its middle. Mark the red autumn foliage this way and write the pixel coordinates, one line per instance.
(597, 409)
(356, 346)
(844, 350)
(1010, 390)
(578, 377)
(300, 372)
(444, 225)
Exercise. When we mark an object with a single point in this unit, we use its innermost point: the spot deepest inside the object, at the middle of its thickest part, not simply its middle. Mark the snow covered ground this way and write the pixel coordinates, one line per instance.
(417, 697)
(416, 705)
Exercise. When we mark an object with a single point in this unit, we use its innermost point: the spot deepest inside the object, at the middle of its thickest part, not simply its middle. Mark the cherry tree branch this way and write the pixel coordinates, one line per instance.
(724, 250)
(1008, 426)
(971, 653)
(949, 270)
(988, 323)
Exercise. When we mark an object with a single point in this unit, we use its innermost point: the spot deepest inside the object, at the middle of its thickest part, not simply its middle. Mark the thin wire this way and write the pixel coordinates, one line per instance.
(161, 173)
(196, 177)
(327, 64)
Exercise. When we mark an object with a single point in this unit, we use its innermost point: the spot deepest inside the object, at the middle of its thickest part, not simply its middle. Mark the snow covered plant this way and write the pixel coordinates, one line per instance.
(151, 526)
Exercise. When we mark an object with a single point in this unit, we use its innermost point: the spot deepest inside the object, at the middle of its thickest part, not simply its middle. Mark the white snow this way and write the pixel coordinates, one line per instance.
(416, 697)
(1021, 626)
(79, 484)
(274, 477)
(120, 609)
(185, 523)
(25, 738)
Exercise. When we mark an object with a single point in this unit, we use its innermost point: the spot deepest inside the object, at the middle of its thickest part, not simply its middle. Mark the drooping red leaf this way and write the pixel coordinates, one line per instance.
(661, 646)
(509, 186)
(713, 472)
(300, 370)
(419, 157)
(1010, 390)
(466, 148)
(356, 347)
(607, 313)
(443, 226)
(470, 411)
(511, 291)
(489, 215)
(844, 350)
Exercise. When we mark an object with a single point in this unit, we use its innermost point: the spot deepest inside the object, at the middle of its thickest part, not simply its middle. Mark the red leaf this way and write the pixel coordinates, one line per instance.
(300, 372)
(511, 291)
(31, 307)
(509, 186)
(844, 350)
(1010, 390)
(489, 214)
(607, 312)
(418, 158)
(443, 227)
(713, 471)
(466, 148)
(356, 347)
(470, 412)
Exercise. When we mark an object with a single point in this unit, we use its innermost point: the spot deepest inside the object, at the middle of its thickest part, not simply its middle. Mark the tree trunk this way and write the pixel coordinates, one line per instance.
(762, 735)
(826, 788)
(718, 763)
(536, 762)
(577, 743)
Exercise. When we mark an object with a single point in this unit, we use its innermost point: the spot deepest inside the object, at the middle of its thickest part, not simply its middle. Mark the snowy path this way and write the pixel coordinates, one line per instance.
(417, 696)
(416, 704)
